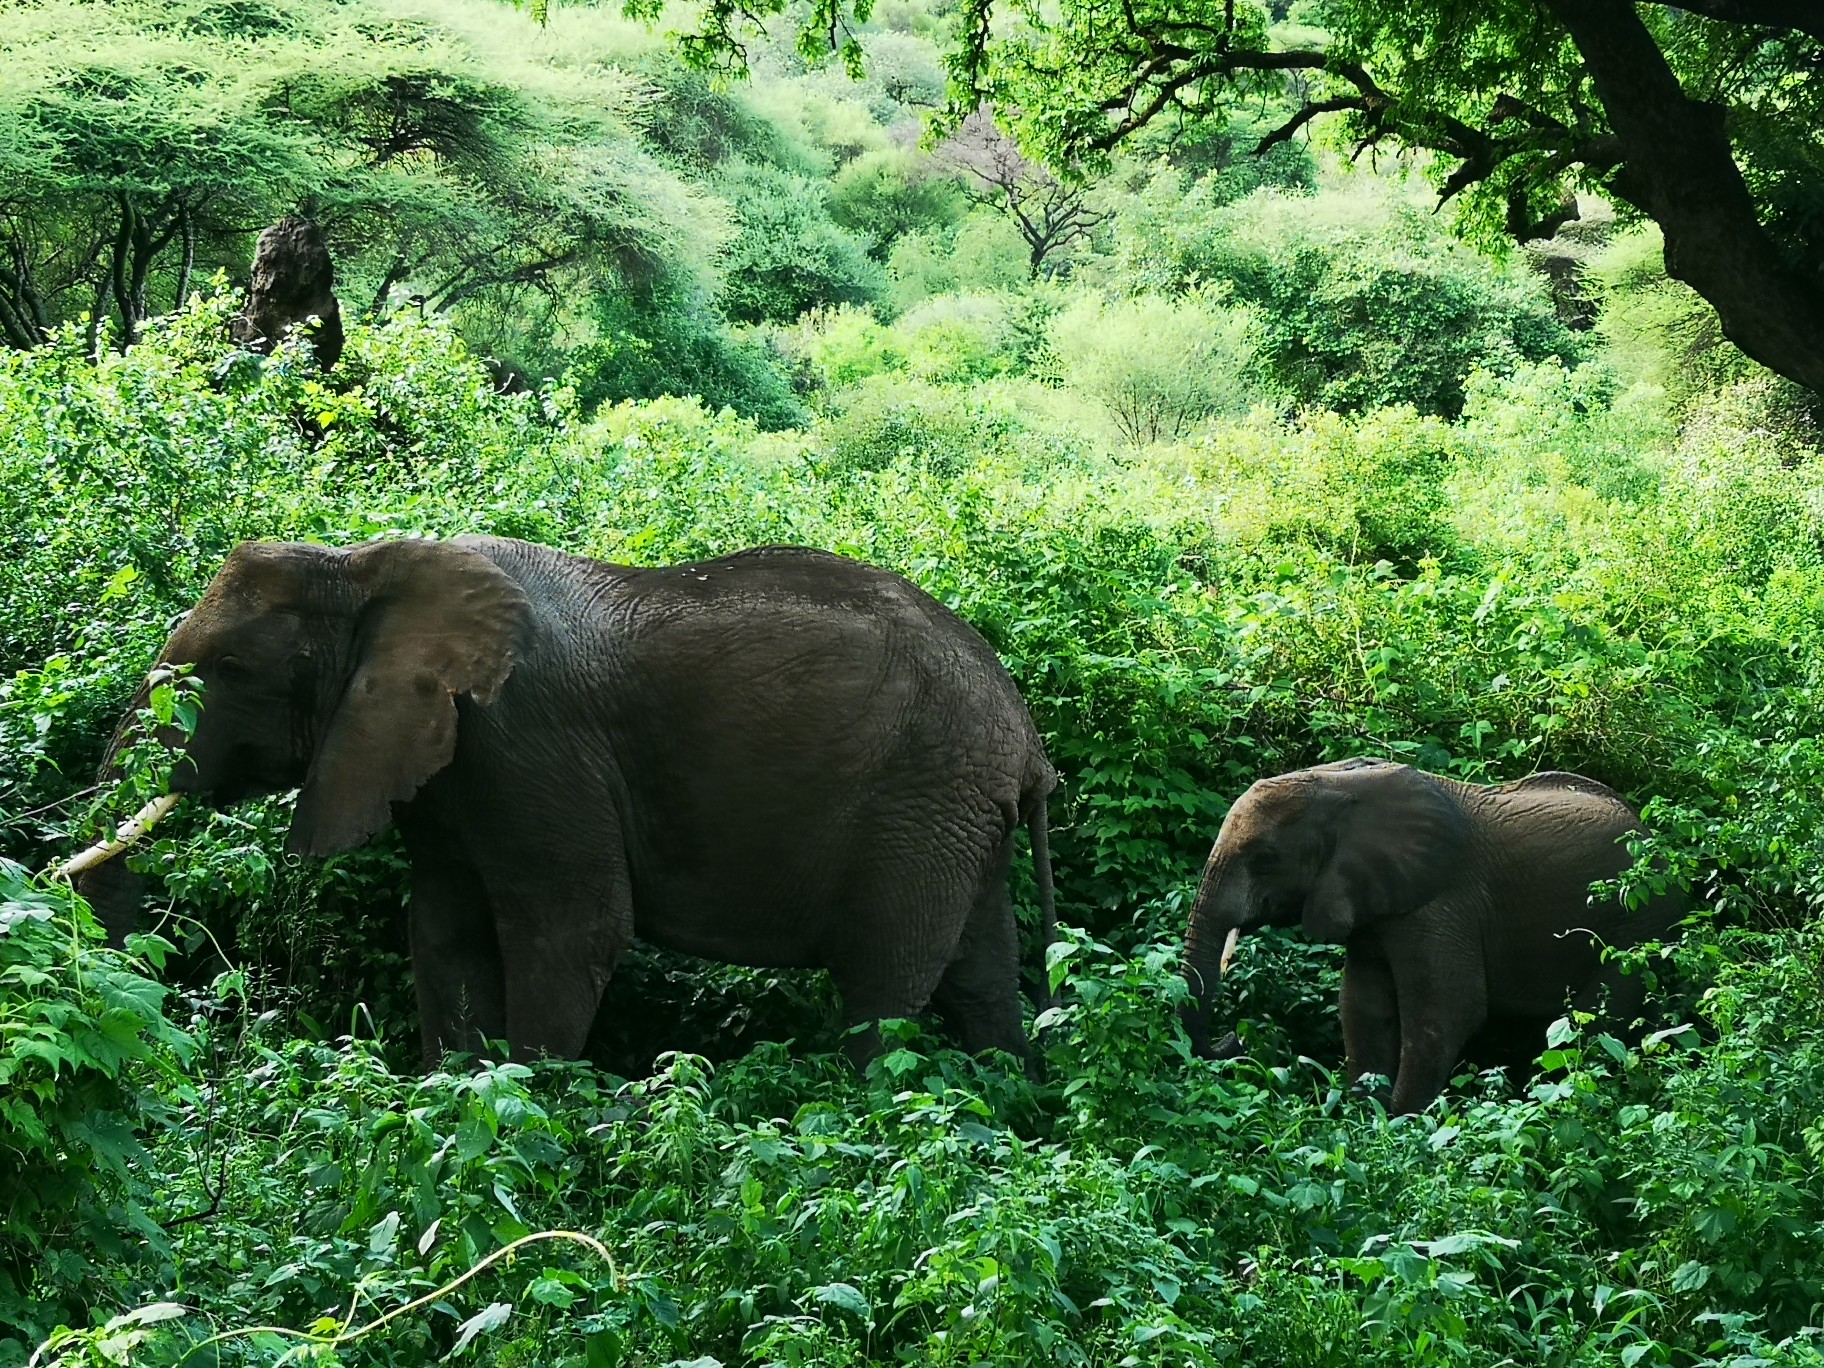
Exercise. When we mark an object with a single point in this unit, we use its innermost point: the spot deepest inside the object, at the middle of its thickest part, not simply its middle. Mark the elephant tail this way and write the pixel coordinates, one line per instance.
(1038, 830)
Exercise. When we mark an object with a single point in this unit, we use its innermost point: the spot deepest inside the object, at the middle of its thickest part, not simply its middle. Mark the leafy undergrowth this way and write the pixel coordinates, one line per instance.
(1649, 1206)
(218, 1138)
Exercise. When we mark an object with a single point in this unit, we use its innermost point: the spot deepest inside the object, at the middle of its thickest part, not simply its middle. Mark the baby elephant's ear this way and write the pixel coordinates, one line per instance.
(436, 620)
(1401, 838)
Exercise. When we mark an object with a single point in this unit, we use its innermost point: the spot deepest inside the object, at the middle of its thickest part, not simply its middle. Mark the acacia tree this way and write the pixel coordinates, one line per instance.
(1051, 213)
(137, 151)
(119, 200)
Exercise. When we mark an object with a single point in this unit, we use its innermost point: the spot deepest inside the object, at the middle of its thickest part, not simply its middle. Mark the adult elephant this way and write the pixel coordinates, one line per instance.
(779, 757)
(1465, 908)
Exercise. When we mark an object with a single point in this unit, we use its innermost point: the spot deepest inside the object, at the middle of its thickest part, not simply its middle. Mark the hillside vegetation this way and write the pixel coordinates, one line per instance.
(1252, 466)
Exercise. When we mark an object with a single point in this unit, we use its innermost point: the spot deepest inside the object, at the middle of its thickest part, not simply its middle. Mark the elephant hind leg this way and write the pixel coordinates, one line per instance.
(1619, 998)
(914, 936)
(881, 978)
(979, 994)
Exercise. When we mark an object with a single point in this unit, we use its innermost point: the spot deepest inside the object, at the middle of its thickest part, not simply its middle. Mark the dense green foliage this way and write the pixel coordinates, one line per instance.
(1701, 118)
(443, 159)
(1363, 298)
(579, 204)
(1274, 472)
(1556, 578)
(83, 1037)
(790, 255)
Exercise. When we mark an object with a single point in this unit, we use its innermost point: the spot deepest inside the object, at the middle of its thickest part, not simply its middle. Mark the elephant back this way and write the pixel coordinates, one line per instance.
(1553, 833)
(1564, 781)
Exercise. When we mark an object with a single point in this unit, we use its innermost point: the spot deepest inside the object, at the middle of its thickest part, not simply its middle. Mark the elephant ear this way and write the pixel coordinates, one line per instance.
(435, 620)
(1400, 838)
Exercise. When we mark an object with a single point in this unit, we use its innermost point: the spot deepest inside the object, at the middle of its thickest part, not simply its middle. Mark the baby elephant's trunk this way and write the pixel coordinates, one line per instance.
(1208, 947)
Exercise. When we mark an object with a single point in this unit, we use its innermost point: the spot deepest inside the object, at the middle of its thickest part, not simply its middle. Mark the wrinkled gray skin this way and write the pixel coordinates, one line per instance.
(779, 757)
(1465, 909)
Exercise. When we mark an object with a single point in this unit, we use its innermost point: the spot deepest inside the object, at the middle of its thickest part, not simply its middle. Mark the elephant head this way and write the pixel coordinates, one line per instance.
(1330, 849)
(336, 672)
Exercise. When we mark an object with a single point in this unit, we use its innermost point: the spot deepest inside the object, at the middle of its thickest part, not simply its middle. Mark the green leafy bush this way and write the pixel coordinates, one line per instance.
(984, 251)
(89, 1062)
(1362, 296)
(680, 349)
(945, 429)
(789, 255)
(961, 338)
(957, 338)
(842, 346)
(1369, 489)
(1157, 366)
(1654, 1202)
(884, 195)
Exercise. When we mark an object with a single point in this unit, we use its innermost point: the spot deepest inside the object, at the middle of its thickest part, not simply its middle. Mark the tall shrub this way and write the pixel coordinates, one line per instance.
(1157, 366)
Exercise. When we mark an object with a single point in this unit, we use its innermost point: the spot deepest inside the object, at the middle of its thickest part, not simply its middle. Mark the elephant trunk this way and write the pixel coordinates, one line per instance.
(1208, 947)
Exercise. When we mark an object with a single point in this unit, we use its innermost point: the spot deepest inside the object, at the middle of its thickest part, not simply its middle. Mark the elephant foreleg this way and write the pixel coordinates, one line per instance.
(455, 958)
(1443, 1000)
(1371, 1018)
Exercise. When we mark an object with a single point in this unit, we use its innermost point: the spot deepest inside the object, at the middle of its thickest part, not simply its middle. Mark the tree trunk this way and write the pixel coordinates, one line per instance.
(188, 263)
(293, 280)
(12, 326)
(1679, 170)
(98, 316)
(117, 278)
(22, 315)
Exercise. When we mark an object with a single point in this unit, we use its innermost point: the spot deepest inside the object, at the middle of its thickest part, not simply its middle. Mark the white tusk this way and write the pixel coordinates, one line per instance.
(1228, 951)
(130, 831)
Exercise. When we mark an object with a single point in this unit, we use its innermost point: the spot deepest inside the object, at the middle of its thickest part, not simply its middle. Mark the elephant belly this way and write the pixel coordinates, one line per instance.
(1532, 980)
(726, 925)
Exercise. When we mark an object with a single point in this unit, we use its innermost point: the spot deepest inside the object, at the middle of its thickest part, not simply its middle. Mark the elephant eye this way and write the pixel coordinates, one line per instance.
(234, 669)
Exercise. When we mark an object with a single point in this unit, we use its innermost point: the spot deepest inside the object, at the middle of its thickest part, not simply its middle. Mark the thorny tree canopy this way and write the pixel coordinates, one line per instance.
(142, 141)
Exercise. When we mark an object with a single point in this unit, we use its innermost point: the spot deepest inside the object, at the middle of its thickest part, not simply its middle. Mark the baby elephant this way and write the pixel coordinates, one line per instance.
(1465, 908)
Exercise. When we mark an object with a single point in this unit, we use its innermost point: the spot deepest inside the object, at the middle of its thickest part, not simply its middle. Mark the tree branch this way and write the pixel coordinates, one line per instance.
(187, 263)
(1201, 66)
(1801, 16)
(1679, 168)
(1285, 131)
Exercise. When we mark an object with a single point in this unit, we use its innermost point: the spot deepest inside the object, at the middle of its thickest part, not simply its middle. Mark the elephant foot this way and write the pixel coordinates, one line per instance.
(1229, 1047)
